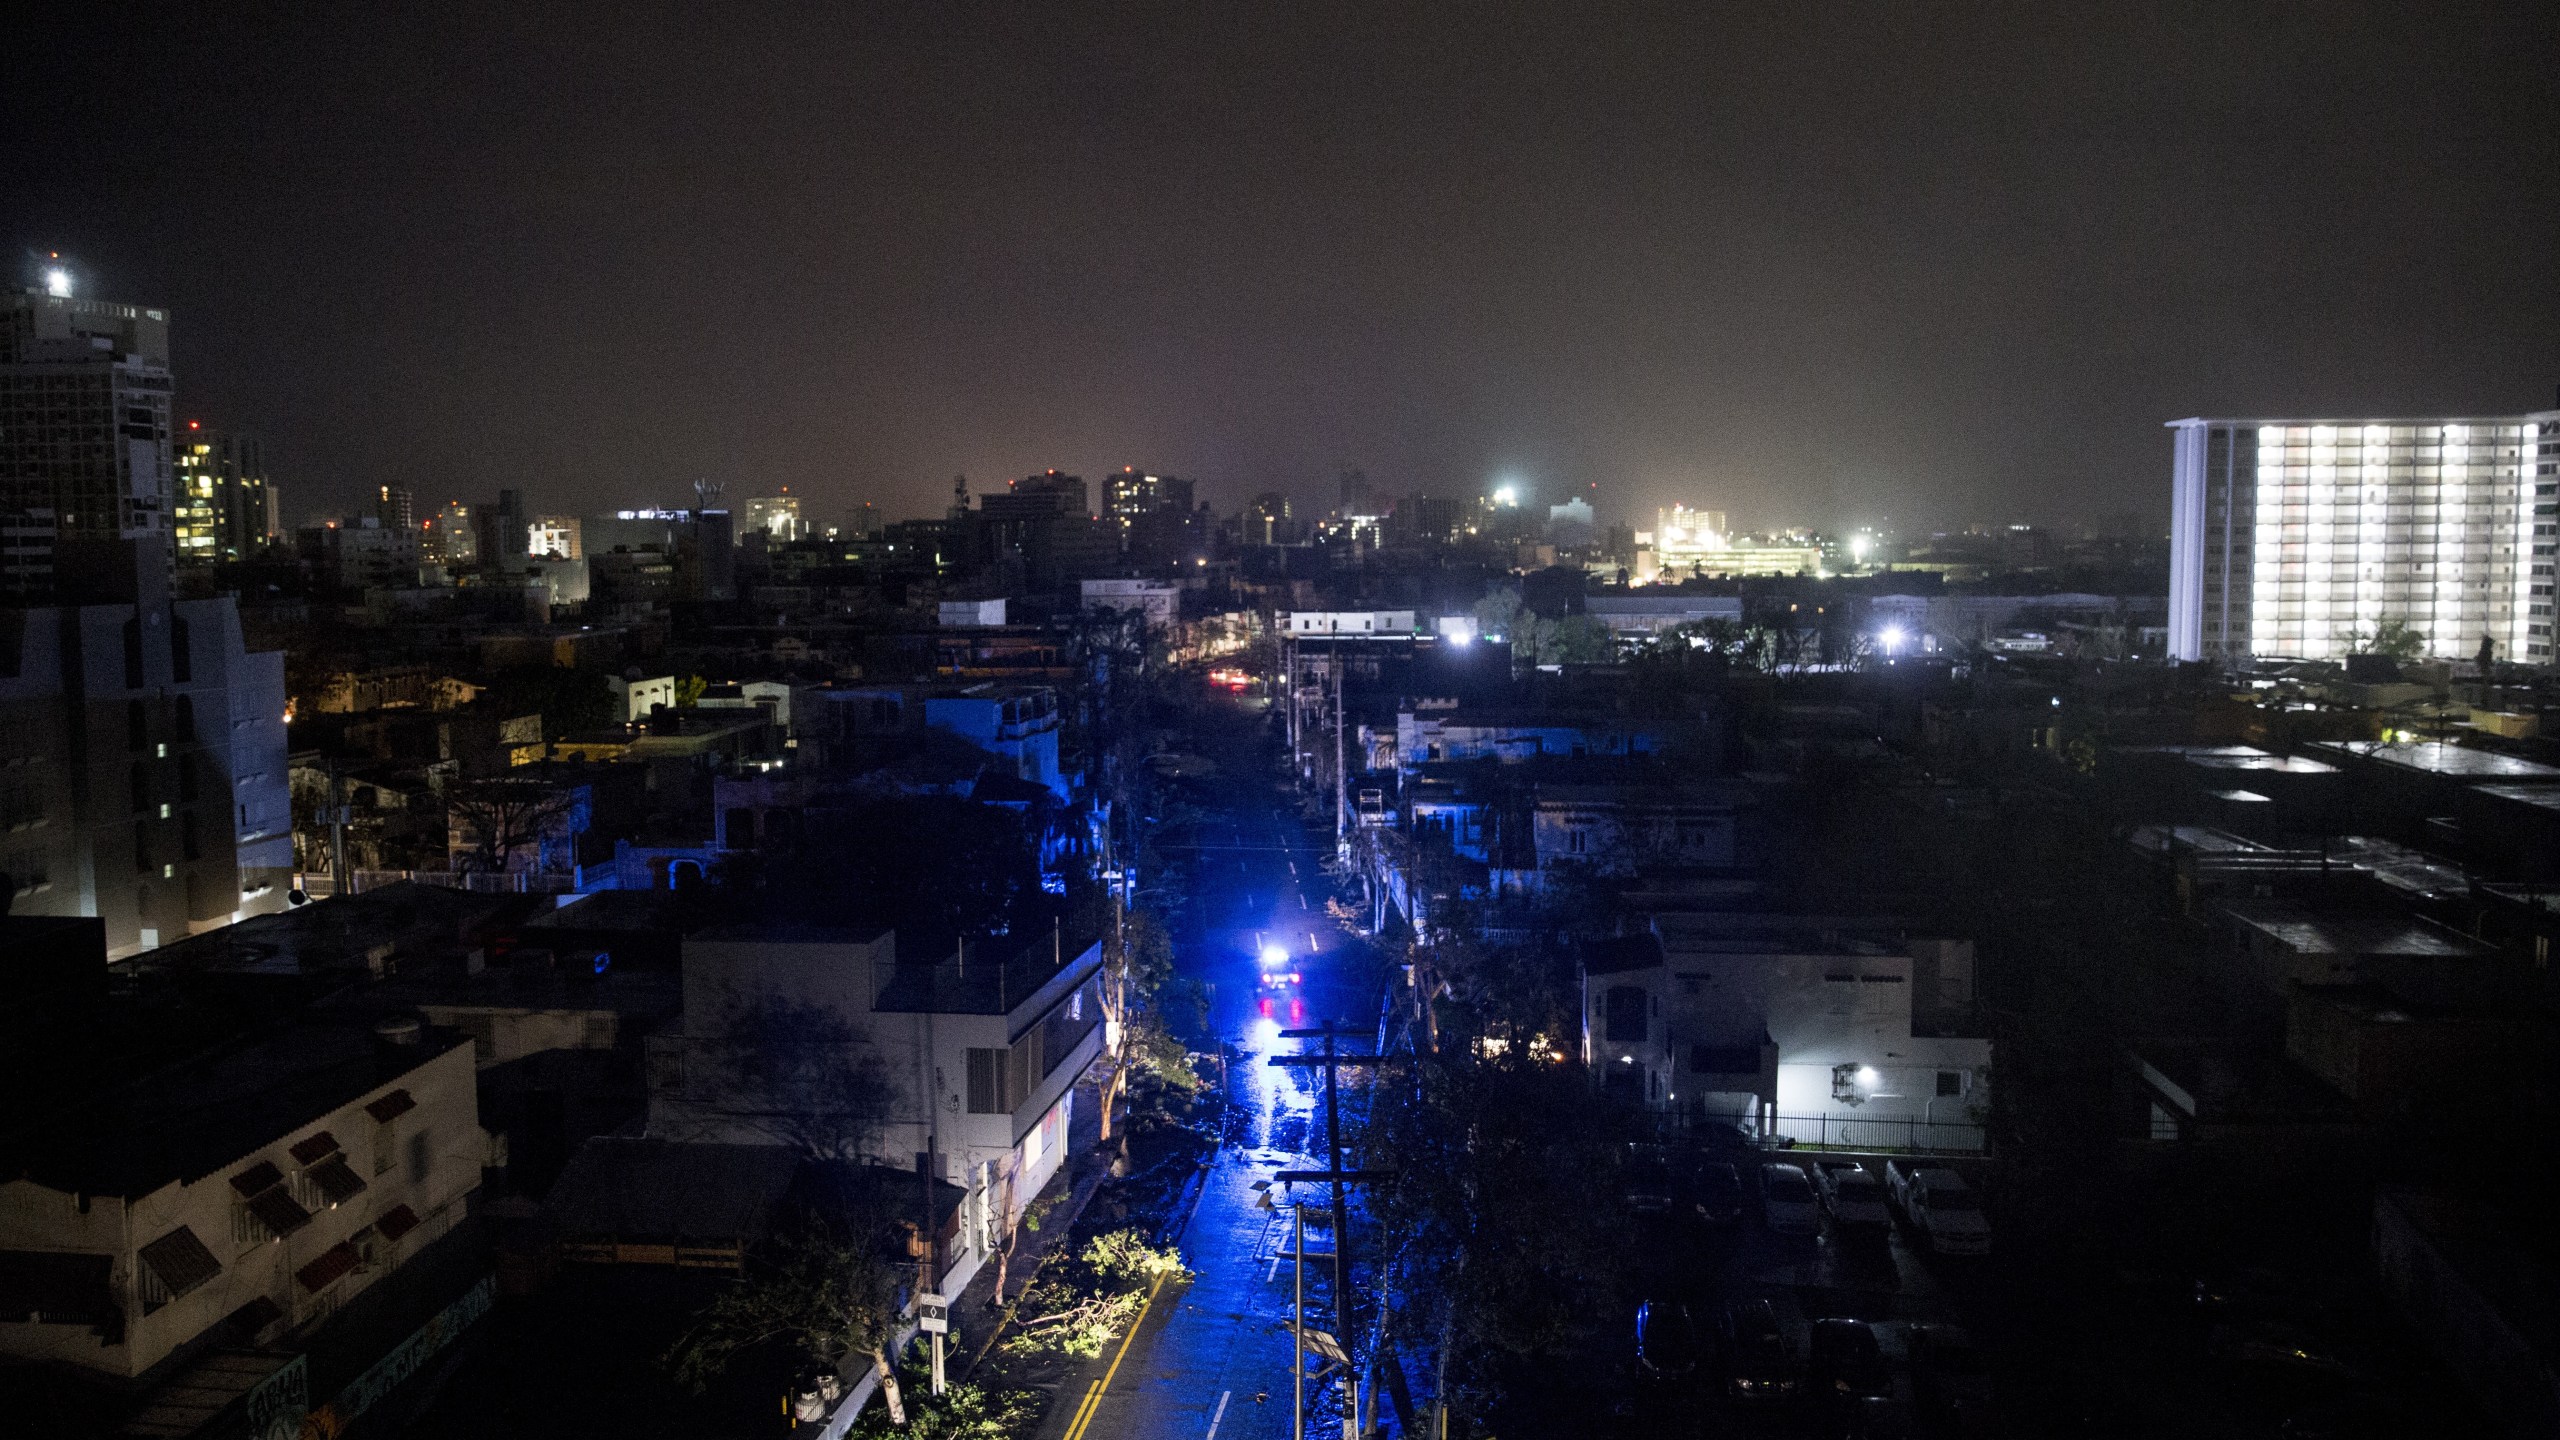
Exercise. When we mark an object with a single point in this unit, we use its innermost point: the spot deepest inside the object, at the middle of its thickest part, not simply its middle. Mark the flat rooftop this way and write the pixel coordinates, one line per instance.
(406, 920)
(2540, 797)
(191, 1119)
(2308, 931)
(2435, 757)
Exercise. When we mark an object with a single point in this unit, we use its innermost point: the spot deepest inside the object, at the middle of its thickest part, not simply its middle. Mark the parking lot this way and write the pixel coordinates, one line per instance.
(1715, 1269)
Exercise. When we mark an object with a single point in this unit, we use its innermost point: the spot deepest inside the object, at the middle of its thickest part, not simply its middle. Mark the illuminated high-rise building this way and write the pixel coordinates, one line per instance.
(452, 537)
(778, 516)
(558, 536)
(1132, 494)
(84, 412)
(2306, 538)
(222, 506)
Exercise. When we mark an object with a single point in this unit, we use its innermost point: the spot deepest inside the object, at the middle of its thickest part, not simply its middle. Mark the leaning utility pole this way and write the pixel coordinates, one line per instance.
(1334, 1175)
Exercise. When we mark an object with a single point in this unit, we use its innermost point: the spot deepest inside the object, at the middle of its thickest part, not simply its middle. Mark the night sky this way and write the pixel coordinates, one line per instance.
(1816, 264)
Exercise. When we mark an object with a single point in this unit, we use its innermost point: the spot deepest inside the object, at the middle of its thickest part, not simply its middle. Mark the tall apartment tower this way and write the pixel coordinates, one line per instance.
(451, 537)
(222, 505)
(393, 506)
(142, 756)
(1132, 494)
(84, 414)
(2303, 538)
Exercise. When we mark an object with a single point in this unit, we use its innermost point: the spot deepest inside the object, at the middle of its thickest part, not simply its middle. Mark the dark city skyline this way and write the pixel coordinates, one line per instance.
(1846, 267)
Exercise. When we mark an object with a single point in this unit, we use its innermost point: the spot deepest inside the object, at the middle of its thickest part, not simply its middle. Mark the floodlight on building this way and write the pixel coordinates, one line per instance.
(1891, 637)
(57, 283)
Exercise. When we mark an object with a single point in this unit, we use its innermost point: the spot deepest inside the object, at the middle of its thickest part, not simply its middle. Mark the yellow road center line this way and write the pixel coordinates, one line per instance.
(1093, 1401)
(1084, 1411)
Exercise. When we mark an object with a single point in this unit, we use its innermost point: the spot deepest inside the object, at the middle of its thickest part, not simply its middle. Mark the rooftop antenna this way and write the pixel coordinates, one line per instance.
(706, 493)
(959, 497)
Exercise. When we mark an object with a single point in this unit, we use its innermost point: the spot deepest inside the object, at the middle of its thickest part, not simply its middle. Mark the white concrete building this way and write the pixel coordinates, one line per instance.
(260, 1187)
(1641, 617)
(970, 614)
(1160, 601)
(1348, 625)
(634, 699)
(982, 1051)
(1830, 1030)
(2291, 537)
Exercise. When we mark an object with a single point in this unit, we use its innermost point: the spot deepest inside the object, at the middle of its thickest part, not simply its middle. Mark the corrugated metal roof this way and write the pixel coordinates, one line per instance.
(397, 1221)
(181, 1261)
(279, 1212)
(335, 1261)
(335, 1180)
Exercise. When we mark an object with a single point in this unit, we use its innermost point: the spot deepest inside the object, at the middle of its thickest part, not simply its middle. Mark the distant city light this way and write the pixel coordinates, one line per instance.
(1507, 496)
(57, 282)
(1858, 545)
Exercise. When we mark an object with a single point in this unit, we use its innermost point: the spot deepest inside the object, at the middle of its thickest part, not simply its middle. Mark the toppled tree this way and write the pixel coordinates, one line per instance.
(962, 1412)
(1080, 1306)
(823, 1284)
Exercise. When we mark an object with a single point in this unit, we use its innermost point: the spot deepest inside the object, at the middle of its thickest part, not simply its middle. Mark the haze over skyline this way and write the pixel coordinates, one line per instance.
(1828, 267)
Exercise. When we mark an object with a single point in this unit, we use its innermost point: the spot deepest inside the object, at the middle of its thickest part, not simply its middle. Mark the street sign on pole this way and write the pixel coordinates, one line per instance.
(1325, 1345)
(933, 1314)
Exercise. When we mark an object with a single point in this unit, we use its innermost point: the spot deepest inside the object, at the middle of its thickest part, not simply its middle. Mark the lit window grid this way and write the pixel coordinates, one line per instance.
(2356, 525)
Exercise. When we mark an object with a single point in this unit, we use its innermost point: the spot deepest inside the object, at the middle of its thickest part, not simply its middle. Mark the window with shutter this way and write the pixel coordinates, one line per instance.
(986, 1082)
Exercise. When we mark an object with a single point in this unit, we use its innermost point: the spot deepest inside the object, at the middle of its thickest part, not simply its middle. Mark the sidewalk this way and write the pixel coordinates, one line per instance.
(977, 1307)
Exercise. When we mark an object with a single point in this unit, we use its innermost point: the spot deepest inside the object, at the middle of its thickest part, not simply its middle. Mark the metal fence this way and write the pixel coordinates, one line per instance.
(515, 882)
(1850, 1132)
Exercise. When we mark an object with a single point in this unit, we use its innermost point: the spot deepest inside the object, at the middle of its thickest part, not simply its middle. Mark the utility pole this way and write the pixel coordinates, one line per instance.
(340, 871)
(1288, 656)
(1298, 1327)
(1340, 781)
(1335, 1176)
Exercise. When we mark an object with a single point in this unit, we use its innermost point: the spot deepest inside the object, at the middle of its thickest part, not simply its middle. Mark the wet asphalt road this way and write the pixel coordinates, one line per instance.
(1211, 1357)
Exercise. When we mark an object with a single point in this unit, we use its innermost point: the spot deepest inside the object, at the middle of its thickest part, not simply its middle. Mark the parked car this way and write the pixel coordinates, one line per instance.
(1715, 1193)
(2275, 1348)
(1852, 1198)
(1950, 1380)
(1758, 1362)
(1787, 1203)
(1648, 1183)
(1666, 1340)
(1940, 1206)
(1847, 1373)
